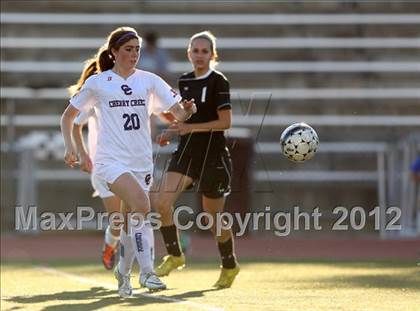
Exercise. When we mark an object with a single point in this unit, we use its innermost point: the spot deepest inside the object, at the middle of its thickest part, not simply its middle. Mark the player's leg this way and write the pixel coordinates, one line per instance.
(112, 205)
(123, 269)
(112, 233)
(163, 200)
(126, 248)
(129, 190)
(215, 186)
(225, 243)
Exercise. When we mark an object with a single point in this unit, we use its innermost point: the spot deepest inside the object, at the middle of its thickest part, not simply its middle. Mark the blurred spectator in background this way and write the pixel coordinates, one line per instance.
(415, 169)
(154, 58)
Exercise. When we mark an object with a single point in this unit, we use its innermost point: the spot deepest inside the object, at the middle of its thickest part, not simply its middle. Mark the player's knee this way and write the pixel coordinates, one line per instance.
(163, 206)
(116, 222)
(139, 204)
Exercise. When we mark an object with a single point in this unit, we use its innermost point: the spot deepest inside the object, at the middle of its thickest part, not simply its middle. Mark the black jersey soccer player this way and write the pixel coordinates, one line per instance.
(201, 158)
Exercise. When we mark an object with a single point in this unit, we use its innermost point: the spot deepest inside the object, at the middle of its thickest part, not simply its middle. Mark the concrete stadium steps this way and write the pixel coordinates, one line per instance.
(199, 6)
(147, 7)
(270, 160)
(243, 79)
(267, 133)
(320, 181)
(398, 30)
(277, 106)
(50, 53)
(381, 106)
(223, 43)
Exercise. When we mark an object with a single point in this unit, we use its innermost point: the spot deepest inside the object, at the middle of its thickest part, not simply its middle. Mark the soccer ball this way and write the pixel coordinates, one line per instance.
(299, 142)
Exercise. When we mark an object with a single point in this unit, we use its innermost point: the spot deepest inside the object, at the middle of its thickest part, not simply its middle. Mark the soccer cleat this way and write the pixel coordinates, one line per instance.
(108, 256)
(124, 287)
(152, 282)
(170, 263)
(227, 276)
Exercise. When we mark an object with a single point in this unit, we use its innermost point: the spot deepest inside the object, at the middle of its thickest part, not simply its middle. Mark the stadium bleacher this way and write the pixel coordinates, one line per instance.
(353, 77)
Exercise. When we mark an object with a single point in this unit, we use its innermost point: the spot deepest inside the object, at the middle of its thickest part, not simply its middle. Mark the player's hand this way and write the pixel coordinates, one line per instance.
(182, 128)
(86, 163)
(189, 106)
(167, 116)
(163, 139)
(70, 157)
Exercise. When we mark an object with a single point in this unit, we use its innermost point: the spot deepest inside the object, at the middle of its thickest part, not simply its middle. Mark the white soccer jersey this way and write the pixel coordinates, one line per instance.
(91, 120)
(123, 108)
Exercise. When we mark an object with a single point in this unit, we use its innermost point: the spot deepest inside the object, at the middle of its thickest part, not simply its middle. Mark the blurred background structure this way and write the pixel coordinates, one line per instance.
(349, 69)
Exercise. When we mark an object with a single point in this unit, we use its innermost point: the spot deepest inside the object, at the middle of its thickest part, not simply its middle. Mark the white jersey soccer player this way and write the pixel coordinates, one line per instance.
(123, 109)
(124, 99)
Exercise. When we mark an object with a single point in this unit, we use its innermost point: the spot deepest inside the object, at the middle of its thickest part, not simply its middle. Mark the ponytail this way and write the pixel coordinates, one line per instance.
(90, 69)
(105, 60)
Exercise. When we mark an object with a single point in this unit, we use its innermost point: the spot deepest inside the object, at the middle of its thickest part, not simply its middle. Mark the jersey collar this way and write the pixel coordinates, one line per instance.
(204, 75)
(122, 78)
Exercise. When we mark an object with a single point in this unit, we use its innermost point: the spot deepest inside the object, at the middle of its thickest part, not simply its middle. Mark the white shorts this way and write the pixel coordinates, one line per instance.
(105, 174)
(100, 187)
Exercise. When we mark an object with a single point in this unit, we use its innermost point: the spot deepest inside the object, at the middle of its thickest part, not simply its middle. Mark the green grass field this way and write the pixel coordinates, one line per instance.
(301, 286)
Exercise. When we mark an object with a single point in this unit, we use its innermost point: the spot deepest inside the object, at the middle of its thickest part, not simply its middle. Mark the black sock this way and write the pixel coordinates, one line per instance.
(226, 252)
(170, 237)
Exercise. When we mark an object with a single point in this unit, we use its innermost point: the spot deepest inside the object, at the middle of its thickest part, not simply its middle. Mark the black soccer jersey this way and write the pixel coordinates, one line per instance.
(211, 93)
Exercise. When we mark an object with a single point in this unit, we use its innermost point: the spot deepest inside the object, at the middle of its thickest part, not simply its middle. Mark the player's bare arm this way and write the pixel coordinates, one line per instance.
(83, 154)
(223, 122)
(70, 155)
(183, 110)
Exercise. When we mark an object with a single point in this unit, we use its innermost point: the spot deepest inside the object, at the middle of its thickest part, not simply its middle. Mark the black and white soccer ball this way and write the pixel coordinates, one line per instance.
(299, 142)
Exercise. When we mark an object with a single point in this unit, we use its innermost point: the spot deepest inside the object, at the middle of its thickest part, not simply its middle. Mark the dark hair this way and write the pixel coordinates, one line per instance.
(104, 59)
(151, 37)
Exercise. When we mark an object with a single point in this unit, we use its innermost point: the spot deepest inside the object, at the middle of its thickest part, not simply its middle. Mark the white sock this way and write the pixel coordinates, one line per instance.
(126, 254)
(143, 245)
(110, 239)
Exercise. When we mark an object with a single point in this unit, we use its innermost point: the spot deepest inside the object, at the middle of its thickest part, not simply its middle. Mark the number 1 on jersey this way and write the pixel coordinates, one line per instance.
(203, 94)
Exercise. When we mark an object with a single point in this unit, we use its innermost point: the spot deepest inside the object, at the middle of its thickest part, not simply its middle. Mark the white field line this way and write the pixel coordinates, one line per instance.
(110, 286)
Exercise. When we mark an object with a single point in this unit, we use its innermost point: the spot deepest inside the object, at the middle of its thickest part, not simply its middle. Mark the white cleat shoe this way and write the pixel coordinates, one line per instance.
(124, 287)
(151, 281)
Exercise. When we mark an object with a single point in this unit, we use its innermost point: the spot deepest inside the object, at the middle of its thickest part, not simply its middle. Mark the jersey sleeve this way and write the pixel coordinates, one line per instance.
(222, 101)
(164, 96)
(85, 99)
(83, 117)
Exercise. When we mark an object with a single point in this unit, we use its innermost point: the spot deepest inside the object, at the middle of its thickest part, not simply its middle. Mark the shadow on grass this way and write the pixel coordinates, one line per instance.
(99, 298)
(95, 293)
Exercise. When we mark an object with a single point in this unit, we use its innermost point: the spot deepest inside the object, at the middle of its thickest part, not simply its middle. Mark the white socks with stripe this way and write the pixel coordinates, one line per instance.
(126, 254)
(142, 239)
(110, 239)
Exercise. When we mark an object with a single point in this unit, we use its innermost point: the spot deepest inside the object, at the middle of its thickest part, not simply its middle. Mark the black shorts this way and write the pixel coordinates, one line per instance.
(211, 175)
